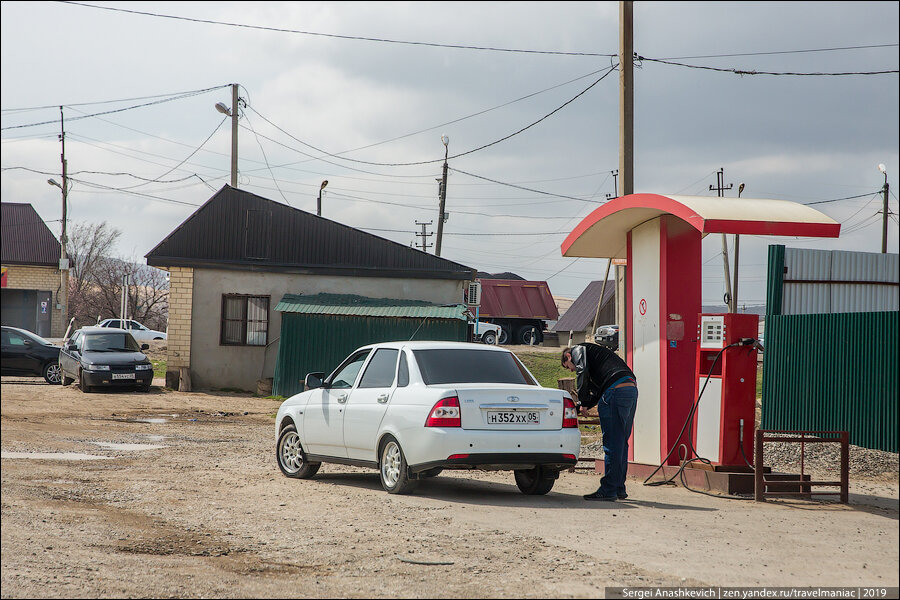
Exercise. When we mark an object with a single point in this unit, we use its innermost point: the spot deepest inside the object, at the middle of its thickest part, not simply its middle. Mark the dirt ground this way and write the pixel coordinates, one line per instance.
(169, 494)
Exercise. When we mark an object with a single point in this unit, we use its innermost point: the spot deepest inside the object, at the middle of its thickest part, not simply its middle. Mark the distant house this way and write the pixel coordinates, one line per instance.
(34, 288)
(238, 255)
(579, 318)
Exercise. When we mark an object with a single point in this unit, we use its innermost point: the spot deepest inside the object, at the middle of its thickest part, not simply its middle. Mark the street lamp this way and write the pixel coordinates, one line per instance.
(319, 202)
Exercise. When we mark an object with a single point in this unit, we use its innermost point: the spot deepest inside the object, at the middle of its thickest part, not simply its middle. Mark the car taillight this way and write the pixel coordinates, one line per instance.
(570, 413)
(445, 413)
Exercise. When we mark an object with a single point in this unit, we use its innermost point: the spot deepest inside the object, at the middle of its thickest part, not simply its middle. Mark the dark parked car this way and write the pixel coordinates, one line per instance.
(25, 353)
(102, 357)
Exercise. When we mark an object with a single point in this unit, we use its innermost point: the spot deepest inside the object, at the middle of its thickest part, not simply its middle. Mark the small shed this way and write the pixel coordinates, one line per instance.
(319, 331)
(579, 318)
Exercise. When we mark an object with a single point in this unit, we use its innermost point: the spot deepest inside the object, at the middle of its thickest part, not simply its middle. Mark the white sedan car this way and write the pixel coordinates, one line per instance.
(412, 409)
(137, 331)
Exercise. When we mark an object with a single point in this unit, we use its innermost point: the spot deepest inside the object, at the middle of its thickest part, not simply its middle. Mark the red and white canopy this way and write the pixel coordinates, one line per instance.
(603, 233)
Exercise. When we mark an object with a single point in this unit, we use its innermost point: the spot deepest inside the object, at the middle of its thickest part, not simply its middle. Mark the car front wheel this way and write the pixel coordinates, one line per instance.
(489, 338)
(291, 457)
(393, 469)
(51, 373)
(534, 482)
(84, 387)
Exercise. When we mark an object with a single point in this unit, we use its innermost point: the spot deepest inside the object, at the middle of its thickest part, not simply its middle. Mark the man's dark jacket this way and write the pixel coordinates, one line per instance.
(596, 368)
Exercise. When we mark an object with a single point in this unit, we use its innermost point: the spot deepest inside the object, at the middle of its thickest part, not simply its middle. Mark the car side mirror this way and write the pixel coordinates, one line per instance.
(69, 346)
(145, 346)
(313, 381)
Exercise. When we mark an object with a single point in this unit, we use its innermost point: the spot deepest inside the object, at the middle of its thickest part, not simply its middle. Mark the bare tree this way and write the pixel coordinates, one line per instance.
(148, 291)
(95, 284)
(88, 245)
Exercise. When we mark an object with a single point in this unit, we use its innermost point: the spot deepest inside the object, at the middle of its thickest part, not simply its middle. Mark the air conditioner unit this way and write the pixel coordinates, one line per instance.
(473, 298)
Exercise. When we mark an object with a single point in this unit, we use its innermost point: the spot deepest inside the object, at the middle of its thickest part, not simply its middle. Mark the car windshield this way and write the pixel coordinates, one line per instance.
(470, 366)
(111, 342)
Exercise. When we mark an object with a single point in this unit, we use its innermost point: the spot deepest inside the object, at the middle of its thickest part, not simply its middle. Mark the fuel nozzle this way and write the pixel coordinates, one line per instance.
(751, 342)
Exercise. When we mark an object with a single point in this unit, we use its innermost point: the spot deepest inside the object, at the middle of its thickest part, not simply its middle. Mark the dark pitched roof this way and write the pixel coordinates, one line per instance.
(26, 239)
(581, 314)
(240, 230)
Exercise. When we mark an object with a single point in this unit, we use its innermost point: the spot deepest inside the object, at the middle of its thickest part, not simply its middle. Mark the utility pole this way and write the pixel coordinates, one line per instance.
(884, 210)
(234, 113)
(720, 187)
(626, 144)
(424, 236)
(62, 295)
(443, 193)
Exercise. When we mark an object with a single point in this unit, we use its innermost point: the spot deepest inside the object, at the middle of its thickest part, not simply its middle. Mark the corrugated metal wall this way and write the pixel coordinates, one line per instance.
(833, 373)
(832, 338)
(837, 281)
(316, 342)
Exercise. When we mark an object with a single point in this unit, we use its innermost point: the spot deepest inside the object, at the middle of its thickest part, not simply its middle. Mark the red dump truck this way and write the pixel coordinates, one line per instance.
(520, 308)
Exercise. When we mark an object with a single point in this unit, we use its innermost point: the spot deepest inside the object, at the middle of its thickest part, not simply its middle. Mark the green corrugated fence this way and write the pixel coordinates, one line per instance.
(319, 342)
(833, 372)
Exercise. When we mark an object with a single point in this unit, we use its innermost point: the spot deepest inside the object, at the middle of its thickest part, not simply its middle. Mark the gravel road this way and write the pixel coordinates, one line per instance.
(170, 494)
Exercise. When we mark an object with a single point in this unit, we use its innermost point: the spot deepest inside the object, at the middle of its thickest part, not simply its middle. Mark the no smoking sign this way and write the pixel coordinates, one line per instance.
(642, 306)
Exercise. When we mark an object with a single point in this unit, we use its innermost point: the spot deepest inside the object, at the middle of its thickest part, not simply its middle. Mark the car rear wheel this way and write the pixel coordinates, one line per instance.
(393, 468)
(291, 457)
(51, 373)
(534, 482)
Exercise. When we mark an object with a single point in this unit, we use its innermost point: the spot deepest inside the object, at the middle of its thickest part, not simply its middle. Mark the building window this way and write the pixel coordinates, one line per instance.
(245, 320)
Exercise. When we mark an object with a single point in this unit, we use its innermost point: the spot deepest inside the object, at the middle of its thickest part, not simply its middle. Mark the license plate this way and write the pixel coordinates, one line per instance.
(123, 375)
(513, 417)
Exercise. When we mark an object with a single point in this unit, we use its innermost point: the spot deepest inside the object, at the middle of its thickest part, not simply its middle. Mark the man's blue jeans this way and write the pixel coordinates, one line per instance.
(616, 410)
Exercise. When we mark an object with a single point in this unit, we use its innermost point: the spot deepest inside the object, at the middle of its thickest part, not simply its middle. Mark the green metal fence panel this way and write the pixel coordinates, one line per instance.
(316, 342)
(835, 372)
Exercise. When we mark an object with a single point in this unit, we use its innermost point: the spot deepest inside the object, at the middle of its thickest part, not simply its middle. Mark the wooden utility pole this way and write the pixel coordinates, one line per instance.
(626, 144)
(443, 196)
(62, 296)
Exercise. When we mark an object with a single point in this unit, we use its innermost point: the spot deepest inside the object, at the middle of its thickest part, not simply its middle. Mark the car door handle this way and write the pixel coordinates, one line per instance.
(382, 399)
(342, 398)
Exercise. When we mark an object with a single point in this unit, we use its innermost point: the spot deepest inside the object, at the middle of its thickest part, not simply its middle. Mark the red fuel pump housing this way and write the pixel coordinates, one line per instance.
(729, 398)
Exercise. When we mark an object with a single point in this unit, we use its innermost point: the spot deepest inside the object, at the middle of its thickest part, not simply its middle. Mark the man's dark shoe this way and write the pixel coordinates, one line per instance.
(622, 496)
(598, 496)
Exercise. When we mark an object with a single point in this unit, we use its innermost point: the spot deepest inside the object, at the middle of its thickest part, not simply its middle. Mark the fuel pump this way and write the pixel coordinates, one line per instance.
(725, 419)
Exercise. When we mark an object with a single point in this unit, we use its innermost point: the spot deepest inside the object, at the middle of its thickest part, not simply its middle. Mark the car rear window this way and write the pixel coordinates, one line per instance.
(470, 366)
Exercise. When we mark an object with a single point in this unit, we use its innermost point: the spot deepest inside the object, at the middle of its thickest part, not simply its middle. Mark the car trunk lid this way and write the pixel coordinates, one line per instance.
(510, 408)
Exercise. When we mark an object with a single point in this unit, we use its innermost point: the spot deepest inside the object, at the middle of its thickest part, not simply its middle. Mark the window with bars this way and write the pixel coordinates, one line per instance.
(245, 320)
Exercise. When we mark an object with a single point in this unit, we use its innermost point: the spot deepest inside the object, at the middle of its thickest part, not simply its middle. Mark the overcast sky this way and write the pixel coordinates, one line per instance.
(505, 81)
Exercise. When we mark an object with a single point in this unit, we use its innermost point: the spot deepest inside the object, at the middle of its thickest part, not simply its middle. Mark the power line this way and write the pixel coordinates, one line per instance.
(337, 36)
(439, 160)
(839, 199)
(780, 52)
(742, 72)
(118, 110)
(519, 187)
